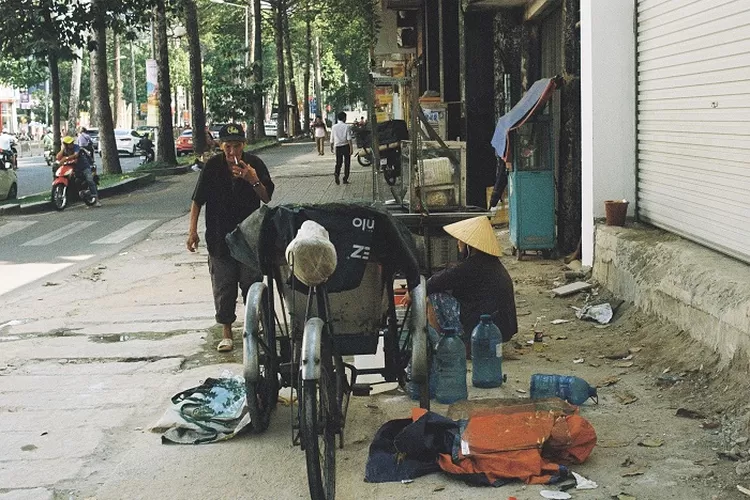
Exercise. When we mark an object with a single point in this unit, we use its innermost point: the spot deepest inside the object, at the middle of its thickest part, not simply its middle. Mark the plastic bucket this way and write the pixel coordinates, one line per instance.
(615, 212)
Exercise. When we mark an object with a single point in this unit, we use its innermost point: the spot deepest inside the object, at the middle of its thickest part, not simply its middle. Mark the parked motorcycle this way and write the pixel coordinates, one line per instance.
(68, 180)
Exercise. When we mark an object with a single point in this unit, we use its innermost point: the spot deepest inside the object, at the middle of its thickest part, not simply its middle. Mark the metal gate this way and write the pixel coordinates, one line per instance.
(694, 120)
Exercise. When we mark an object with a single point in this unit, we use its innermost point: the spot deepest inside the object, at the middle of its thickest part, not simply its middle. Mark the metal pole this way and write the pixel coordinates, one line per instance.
(135, 90)
(46, 103)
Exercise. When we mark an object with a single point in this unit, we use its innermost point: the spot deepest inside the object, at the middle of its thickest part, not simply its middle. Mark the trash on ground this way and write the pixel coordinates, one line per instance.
(559, 321)
(582, 483)
(608, 381)
(521, 391)
(651, 443)
(626, 397)
(439, 488)
(743, 490)
(561, 337)
(601, 313)
(624, 496)
(618, 355)
(210, 412)
(623, 364)
(578, 286)
(685, 413)
(667, 380)
(287, 396)
(407, 481)
(632, 473)
(51, 283)
(578, 361)
(555, 495)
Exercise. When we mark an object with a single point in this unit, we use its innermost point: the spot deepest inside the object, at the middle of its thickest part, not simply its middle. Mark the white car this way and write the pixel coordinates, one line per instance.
(126, 140)
(8, 183)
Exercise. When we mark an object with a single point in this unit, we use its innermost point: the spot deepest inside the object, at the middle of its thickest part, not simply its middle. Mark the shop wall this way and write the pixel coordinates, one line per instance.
(607, 110)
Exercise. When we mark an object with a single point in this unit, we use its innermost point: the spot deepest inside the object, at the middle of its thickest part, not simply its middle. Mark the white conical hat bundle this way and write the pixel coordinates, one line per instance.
(476, 232)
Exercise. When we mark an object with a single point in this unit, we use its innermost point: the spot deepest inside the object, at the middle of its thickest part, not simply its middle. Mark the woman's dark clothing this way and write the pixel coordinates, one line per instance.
(482, 285)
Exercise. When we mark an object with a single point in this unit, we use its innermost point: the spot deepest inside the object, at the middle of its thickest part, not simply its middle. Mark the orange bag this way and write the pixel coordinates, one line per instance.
(518, 442)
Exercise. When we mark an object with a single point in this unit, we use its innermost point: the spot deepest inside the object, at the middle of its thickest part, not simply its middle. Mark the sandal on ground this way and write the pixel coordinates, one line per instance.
(225, 345)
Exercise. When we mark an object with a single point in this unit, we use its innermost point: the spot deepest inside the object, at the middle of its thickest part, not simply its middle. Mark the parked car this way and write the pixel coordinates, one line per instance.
(214, 129)
(271, 125)
(147, 129)
(126, 140)
(94, 134)
(8, 183)
(184, 143)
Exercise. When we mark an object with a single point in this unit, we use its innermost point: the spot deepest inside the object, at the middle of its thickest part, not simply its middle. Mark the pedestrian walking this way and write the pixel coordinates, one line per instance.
(341, 141)
(232, 185)
(320, 131)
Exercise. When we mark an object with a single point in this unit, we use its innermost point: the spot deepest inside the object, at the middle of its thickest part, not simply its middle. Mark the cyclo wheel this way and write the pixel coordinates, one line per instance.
(260, 360)
(318, 427)
(364, 159)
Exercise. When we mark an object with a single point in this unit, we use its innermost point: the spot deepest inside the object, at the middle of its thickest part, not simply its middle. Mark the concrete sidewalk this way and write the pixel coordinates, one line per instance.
(87, 365)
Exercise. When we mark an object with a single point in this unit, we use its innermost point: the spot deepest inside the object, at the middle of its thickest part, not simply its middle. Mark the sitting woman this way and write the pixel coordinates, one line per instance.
(478, 284)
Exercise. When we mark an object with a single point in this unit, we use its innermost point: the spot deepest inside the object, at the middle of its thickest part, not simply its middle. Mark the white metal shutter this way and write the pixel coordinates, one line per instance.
(694, 120)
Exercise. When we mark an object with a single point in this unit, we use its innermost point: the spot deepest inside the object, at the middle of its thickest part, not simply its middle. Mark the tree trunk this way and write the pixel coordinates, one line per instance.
(107, 145)
(294, 125)
(116, 115)
(260, 114)
(308, 58)
(54, 81)
(75, 89)
(279, 7)
(318, 79)
(93, 98)
(165, 148)
(198, 112)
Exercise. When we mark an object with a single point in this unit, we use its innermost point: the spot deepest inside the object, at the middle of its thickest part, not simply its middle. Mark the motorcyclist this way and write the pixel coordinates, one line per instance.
(48, 140)
(7, 148)
(147, 146)
(71, 151)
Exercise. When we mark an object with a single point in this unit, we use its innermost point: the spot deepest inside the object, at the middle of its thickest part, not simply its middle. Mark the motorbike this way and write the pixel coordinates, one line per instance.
(147, 155)
(49, 157)
(69, 180)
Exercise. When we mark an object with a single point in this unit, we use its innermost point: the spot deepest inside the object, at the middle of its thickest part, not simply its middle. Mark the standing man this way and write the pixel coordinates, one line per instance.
(341, 140)
(232, 185)
(86, 144)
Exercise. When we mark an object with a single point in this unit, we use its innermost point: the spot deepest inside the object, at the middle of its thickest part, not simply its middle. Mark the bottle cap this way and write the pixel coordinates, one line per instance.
(485, 318)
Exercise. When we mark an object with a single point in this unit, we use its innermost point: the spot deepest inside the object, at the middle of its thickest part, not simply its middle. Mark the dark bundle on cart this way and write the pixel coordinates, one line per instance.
(390, 135)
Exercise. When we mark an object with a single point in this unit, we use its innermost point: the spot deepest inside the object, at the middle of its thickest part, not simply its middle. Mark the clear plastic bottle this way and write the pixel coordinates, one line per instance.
(450, 369)
(572, 389)
(486, 354)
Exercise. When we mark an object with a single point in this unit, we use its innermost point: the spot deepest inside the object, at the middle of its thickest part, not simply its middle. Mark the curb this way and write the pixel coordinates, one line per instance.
(161, 172)
(121, 187)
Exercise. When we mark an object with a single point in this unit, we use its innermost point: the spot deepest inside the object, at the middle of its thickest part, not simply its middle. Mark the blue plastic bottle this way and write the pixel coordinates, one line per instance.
(572, 389)
(450, 369)
(486, 354)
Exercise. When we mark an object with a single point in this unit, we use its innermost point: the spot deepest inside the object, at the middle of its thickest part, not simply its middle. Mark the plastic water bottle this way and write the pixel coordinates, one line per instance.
(572, 389)
(450, 368)
(412, 388)
(486, 354)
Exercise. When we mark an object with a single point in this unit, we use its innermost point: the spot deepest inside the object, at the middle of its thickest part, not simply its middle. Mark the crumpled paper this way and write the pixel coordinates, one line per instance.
(601, 313)
(584, 484)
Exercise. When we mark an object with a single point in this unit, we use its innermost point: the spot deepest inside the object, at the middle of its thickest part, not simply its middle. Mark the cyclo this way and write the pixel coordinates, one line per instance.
(342, 316)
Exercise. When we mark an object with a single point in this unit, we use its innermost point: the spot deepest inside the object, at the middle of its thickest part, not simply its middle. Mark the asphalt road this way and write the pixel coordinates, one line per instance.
(34, 176)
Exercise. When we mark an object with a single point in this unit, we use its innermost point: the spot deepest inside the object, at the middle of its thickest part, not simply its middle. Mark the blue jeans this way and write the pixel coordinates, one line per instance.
(90, 179)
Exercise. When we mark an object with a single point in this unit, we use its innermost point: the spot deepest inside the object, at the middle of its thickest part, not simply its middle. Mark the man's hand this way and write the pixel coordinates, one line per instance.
(407, 299)
(192, 241)
(244, 171)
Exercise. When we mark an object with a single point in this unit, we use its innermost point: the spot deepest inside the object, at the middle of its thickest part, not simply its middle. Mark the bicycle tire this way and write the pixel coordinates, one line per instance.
(262, 394)
(318, 429)
(365, 160)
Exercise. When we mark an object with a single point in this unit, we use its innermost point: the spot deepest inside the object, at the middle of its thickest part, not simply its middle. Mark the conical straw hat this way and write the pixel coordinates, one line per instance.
(476, 232)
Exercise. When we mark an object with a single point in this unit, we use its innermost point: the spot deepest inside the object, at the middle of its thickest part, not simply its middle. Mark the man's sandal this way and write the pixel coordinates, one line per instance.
(225, 345)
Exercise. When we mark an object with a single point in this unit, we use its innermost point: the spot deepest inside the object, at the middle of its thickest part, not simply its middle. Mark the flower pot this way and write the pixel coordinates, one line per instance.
(615, 212)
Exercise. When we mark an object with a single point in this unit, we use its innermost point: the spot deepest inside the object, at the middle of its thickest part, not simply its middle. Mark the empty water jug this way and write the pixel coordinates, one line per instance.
(572, 389)
(486, 354)
(450, 368)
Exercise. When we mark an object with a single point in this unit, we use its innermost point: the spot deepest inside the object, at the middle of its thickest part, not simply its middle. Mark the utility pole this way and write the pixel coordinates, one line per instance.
(134, 109)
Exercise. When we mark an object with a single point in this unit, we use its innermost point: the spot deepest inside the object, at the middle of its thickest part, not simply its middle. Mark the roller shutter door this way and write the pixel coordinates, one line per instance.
(694, 120)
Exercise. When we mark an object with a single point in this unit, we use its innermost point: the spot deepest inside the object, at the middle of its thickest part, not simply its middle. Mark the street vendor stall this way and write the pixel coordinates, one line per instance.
(428, 187)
